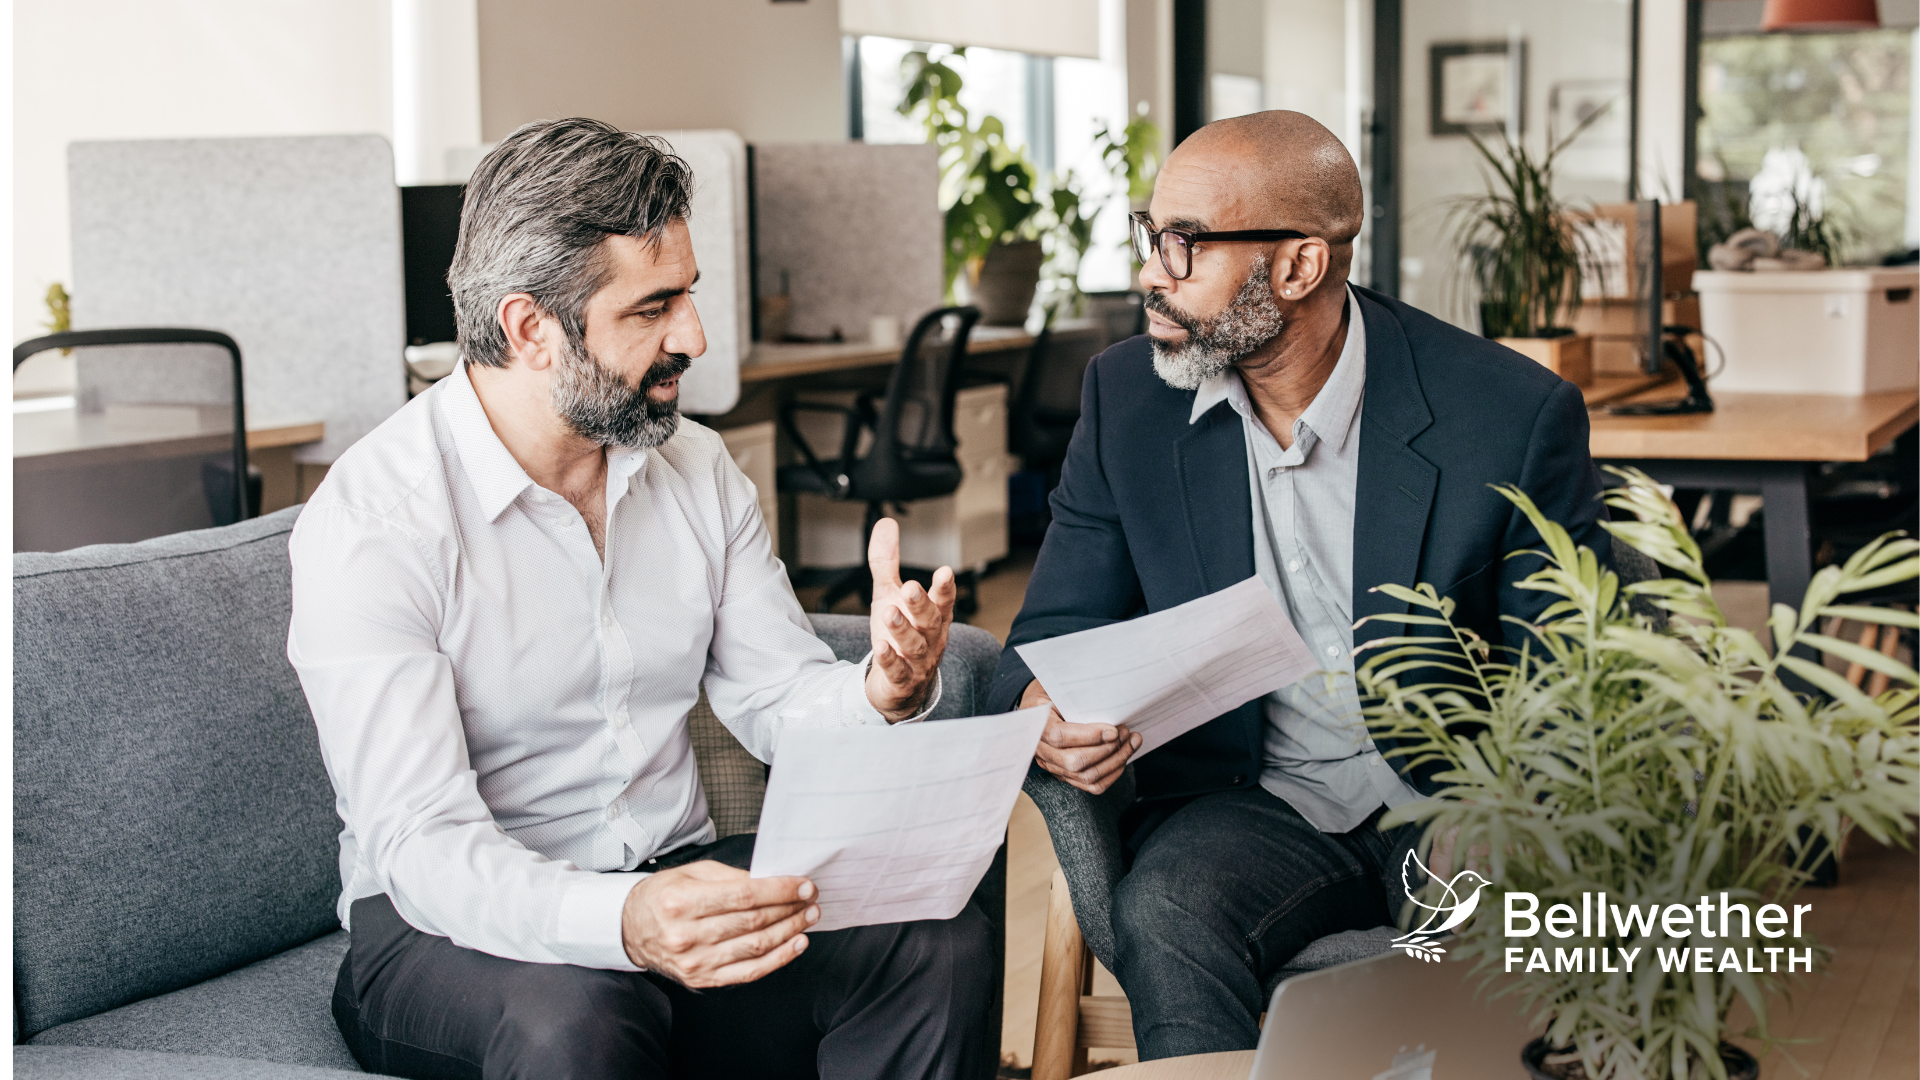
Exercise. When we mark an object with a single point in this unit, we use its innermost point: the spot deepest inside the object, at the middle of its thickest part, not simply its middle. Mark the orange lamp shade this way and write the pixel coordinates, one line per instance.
(1811, 15)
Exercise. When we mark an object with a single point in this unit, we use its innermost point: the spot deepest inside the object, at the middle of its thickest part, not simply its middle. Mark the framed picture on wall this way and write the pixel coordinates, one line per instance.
(1475, 86)
(1599, 151)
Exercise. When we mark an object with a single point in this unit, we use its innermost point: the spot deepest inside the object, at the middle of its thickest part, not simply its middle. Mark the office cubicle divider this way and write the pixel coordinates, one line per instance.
(291, 245)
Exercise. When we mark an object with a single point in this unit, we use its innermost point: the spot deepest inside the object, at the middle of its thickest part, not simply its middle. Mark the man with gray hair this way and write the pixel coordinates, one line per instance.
(1277, 421)
(506, 599)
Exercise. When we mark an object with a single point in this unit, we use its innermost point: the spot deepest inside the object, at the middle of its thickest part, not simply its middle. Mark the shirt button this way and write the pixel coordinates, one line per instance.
(1293, 567)
(612, 813)
(1333, 650)
(606, 618)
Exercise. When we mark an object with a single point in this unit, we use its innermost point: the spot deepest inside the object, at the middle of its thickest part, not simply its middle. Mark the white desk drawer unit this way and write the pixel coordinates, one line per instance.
(965, 530)
(752, 448)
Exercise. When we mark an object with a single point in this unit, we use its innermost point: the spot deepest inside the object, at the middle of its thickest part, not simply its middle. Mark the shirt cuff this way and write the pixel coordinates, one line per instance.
(867, 714)
(589, 931)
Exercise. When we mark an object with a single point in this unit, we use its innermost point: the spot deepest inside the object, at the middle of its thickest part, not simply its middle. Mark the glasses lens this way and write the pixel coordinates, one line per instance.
(1177, 255)
(1140, 239)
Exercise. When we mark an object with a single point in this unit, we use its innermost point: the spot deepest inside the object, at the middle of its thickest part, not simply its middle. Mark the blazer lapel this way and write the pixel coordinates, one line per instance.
(1394, 493)
(1210, 460)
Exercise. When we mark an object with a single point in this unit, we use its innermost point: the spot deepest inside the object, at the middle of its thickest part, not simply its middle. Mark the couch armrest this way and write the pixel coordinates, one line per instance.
(1086, 839)
(966, 671)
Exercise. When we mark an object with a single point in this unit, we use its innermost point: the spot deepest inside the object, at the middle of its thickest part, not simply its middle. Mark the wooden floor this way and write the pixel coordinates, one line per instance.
(1863, 1011)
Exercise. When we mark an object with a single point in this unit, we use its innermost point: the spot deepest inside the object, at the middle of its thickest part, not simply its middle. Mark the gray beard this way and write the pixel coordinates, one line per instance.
(599, 406)
(1248, 324)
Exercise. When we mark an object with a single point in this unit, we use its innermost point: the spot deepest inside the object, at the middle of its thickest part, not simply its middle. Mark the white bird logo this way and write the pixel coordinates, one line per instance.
(1454, 907)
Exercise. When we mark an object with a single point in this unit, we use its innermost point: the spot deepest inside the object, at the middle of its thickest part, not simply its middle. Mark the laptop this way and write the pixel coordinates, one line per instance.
(1391, 1017)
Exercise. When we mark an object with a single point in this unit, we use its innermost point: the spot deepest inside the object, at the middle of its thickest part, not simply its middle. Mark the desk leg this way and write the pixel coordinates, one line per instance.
(1789, 532)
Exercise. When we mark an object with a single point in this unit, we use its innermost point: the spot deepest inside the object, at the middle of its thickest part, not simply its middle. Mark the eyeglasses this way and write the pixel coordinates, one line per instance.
(1176, 245)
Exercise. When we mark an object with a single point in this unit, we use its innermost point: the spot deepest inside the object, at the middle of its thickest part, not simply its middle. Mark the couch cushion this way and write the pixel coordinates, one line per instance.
(92, 1063)
(280, 1009)
(172, 818)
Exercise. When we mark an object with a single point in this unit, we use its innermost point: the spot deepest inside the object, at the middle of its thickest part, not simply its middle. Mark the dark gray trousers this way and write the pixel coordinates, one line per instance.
(905, 1000)
(1221, 895)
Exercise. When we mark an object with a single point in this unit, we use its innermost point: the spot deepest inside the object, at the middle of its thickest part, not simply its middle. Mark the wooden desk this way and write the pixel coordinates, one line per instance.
(1230, 1065)
(1769, 443)
(768, 361)
(68, 438)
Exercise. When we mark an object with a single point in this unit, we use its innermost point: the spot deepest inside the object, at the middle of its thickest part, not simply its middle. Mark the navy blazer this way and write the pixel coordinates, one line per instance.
(1152, 511)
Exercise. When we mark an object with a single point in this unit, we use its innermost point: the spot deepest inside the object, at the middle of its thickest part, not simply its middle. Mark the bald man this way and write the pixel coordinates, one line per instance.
(1278, 421)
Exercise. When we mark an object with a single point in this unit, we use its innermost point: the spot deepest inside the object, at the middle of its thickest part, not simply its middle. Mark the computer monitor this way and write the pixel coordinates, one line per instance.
(1648, 290)
(1657, 343)
(429, 230)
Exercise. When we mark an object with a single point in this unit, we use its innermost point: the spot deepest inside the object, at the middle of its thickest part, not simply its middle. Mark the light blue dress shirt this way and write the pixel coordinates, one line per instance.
(1318, 756)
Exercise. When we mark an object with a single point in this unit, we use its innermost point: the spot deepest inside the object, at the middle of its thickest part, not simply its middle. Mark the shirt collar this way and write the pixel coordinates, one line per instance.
(1331, 413)
(496, 477)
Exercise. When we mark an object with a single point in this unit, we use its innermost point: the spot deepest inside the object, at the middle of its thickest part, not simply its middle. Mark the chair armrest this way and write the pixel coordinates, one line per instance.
(1086, 839)
(850, 436)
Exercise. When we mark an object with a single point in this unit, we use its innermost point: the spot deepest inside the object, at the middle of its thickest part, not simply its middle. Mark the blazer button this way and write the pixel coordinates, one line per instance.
(1237, 781)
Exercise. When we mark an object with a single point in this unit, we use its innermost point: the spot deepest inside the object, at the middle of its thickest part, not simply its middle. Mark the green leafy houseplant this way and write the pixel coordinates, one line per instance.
(1656, 764)
(1521, 242)
(995, 195)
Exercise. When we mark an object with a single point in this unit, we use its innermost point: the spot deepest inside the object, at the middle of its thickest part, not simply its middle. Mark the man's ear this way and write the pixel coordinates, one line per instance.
(531, 333)
(1304, 271)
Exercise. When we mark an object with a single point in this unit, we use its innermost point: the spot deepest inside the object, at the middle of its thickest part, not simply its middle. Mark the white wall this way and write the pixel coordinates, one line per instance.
(108, 69)
(436, 90)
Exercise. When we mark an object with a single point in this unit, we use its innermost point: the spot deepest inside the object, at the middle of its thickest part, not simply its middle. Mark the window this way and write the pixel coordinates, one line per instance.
(1825, 118)
(1051, 106)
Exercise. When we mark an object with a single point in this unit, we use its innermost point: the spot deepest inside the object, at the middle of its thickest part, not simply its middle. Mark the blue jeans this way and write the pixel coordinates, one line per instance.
(1221, 895)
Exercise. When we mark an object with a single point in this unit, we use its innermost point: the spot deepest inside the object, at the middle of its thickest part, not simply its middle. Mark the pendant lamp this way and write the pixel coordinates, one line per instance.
(1815, 15)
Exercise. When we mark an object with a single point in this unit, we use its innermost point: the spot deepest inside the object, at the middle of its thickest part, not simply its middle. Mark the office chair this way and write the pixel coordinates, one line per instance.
(910, 451)
(159, 416)
(1046, 401)
(1121, 314)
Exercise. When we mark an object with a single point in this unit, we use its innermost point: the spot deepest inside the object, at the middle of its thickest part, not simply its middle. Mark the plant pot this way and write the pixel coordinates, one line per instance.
(1740, 1064)
(1003, 286)
(1569, 356)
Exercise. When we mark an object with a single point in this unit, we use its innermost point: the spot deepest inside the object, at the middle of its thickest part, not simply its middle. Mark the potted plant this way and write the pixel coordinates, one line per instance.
(1524, 251)
(1005, 221)
(1788, 316)
(1654, 764)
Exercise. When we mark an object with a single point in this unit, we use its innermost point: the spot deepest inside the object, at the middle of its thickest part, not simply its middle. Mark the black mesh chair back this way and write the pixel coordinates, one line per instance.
(1046, 403)
(153, 440)
(1121, 314)
(912, 456)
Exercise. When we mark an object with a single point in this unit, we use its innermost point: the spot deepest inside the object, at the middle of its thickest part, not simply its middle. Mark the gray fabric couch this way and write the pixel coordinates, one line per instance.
(175, 844)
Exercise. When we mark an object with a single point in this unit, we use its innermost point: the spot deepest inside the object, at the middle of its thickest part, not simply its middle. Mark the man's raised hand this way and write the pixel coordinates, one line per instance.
(707, 924)
(909, 626)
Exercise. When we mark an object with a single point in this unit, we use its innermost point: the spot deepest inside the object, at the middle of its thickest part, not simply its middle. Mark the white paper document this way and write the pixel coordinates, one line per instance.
(893, 824)
(1167, 673)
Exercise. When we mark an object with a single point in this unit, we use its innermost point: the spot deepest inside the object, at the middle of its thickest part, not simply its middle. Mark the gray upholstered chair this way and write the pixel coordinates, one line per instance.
(175, 844)
(1086, 838)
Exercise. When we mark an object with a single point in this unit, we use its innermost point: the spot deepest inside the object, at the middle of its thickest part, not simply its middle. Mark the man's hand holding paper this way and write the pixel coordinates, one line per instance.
(1128, 687)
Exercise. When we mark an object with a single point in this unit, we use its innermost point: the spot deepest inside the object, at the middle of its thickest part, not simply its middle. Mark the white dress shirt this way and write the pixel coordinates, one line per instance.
(1317, 754)
(503, 714)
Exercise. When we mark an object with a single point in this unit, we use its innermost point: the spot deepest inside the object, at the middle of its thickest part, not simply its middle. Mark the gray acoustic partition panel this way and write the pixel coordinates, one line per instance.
(717, 224)
(290, 245)
(855, 228)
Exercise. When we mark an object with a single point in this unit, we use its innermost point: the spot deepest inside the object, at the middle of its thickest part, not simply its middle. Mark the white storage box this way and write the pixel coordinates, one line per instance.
(1814, 331)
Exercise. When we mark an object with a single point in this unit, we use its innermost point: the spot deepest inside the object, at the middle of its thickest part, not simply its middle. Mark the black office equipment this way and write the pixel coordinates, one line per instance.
(429, 230)
(162, 427)
(912, 452)
(1658, 343)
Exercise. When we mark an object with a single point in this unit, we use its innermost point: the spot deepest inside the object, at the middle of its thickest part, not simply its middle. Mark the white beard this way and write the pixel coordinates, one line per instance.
(1248, 324)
